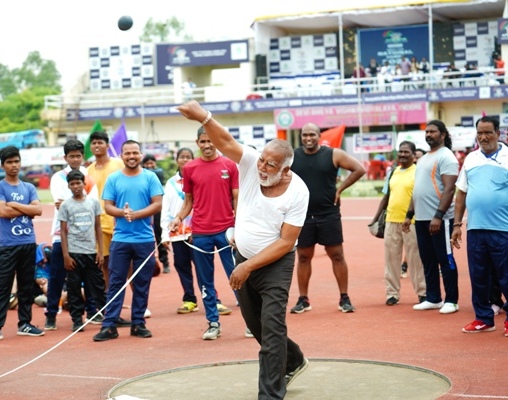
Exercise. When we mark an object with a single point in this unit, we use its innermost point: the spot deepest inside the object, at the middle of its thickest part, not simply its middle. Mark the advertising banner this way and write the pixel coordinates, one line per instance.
(371, 114)
(197, 54)
(390, 44)
(373, 142)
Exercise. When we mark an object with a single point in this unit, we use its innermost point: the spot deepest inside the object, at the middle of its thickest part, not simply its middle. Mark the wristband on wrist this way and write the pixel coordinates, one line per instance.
(207, 119)
(439, 214)
(410, 214)
(457, 224)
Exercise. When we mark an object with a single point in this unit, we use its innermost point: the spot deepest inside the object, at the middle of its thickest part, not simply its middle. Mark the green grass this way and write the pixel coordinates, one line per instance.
(45, 196)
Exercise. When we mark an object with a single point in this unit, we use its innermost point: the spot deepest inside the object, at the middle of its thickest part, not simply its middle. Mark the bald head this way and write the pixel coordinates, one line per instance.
(310, 127)
(310, 137)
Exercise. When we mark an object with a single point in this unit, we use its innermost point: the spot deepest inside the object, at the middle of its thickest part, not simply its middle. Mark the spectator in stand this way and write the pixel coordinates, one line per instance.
(414, 65)
(424, 66)
(188, 89)
(19, 205)
(499, 65)
(387, 72)
(372, 70)
(359, 74)
(405, 68)
(452, 73)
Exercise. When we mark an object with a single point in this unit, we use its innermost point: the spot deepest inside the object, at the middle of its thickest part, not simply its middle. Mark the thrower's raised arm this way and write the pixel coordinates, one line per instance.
(218, 134)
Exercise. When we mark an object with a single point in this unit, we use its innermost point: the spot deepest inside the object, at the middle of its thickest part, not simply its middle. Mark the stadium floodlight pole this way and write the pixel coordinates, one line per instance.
(358, 91)
(431, 43)
(341, 50)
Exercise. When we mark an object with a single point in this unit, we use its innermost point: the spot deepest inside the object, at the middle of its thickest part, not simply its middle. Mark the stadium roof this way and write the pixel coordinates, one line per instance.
(375, 13)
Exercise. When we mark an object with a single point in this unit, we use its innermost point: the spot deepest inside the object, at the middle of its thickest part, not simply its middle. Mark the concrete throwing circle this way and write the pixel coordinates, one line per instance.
(324, 379)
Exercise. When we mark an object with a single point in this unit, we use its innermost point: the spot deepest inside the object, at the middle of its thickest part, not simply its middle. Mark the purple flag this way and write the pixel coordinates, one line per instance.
(115, 144)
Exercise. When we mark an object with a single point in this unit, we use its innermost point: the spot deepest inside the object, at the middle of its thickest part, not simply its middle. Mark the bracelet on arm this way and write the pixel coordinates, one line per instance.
(457, 224)
(410, 214)
(207, 119)
(439, 214)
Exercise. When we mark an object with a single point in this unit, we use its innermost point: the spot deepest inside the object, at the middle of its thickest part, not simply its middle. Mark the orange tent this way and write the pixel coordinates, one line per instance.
(333, 137)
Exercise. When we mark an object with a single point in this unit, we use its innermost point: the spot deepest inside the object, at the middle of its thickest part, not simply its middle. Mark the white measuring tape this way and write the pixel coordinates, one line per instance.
(86, 322)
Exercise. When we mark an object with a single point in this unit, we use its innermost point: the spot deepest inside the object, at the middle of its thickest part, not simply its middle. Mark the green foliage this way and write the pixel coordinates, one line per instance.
(22, 92)
(20, 111)
(162, 31)
(169, 167)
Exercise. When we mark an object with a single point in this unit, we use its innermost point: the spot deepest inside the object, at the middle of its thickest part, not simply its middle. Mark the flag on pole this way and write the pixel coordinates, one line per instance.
(333, 137)
(115, 144)
(97, 126)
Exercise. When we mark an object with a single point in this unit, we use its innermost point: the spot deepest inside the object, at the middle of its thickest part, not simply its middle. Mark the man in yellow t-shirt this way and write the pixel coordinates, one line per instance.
(99, 170)
(398, 191)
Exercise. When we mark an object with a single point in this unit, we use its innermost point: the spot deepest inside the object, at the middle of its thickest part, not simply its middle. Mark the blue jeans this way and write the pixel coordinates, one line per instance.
(205, 268)
(486, 251)
(121, 255)
(435, 252)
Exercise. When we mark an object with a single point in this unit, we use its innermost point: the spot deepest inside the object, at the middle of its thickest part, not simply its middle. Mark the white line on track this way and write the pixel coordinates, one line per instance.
(481, 396)
(111, 378)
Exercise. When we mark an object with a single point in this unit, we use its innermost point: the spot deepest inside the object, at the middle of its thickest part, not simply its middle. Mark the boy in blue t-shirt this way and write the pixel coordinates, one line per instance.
(19, 204)
(81, 232)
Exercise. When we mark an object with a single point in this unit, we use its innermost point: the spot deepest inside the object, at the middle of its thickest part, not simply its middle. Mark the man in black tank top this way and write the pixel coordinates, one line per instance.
(318, 167)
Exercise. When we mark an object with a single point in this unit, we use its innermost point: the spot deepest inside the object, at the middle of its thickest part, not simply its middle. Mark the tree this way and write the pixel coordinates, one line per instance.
(163, 31)
(20, 111)
(37, 72)
(22, 92)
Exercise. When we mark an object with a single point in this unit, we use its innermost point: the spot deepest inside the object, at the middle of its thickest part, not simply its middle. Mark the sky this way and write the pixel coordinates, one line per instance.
(63, 30)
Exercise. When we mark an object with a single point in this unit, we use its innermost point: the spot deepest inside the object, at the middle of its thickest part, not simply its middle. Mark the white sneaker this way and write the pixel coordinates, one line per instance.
(496, 309)
(248, 333)
(449, 308)
(427, 305)
(213, 331)
(148, 313)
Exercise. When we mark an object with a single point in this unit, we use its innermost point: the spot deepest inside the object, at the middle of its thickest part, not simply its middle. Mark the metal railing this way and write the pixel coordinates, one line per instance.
(339, 87)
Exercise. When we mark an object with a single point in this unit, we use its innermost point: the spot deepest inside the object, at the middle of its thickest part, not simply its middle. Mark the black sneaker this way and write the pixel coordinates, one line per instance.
(106, 334)
(140, 331)
(345, 305)
(291, 376)
(77, 326)
(123, 323)
(95, 319)
(30, 330)
(50, 324)
(392, 301)
(421, 299)
(302, 305)
(403, 270)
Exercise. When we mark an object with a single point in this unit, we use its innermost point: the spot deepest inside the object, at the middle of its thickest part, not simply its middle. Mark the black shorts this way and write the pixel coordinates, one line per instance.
(325, 230)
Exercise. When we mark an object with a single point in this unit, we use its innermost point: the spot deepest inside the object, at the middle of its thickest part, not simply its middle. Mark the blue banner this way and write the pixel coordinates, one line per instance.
(196, 54)
(391, 44)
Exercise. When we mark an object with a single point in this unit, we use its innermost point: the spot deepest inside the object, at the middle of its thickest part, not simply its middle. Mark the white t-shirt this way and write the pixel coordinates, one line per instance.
(259, 218)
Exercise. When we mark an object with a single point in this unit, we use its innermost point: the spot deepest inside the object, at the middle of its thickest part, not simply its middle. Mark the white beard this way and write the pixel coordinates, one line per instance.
(271, 180)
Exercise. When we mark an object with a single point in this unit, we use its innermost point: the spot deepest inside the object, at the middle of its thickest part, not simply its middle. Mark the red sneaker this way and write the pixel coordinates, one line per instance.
(479, 326)
(506, 328)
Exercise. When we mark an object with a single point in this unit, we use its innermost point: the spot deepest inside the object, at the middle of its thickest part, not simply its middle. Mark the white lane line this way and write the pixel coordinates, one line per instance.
(480, 396)
(84, 377)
